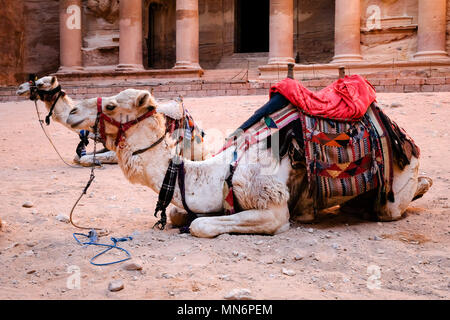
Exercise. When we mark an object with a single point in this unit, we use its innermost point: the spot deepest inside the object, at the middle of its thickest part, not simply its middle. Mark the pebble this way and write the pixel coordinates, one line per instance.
(380, 251)
(115, 285)
(225, 277)
(288, 272)
(27, 204)
(63, 218)
(396, 105)
(310, 230)
(259, 242)
(137, 210)
(132, 265)
(34, 211)
(28, 253)
(239, 294)
(167, 276)
(375, 238)
(298, 257)
(335, 246)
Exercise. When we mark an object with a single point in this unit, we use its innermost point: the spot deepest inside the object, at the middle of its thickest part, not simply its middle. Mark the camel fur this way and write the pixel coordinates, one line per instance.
(267, 189)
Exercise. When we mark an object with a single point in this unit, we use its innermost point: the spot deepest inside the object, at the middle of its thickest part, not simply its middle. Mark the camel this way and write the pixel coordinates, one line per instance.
(265, 187)
(172, 109)
(60, 113)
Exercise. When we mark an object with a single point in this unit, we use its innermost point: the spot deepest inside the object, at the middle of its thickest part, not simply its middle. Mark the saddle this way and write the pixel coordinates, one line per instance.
(347, 143)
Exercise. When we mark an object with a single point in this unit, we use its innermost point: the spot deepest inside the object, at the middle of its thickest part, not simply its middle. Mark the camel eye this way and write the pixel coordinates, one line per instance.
(110, 107)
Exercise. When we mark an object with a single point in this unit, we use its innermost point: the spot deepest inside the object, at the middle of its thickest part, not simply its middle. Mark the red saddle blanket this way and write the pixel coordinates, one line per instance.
(346, 99)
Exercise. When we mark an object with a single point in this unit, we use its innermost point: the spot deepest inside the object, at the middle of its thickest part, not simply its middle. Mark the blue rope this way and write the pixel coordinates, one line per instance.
(93, 241)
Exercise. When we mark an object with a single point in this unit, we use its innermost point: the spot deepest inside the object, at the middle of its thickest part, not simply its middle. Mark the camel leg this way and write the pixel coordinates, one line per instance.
(405, 186)
(260, 221)
(108, 157)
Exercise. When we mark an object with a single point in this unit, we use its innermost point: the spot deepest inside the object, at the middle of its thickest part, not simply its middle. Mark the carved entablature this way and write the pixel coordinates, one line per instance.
(106, 9)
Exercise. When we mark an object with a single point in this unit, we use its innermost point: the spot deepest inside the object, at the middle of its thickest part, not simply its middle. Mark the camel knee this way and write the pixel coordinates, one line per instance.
(203, 228)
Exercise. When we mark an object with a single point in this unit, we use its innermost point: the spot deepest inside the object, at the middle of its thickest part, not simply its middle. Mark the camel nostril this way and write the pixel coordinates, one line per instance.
(74, 110)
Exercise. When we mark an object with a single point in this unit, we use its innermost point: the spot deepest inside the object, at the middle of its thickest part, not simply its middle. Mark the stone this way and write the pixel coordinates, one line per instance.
(239, 294)
(288, 272)
(133, 265)
(335, 246)
(310, 230)
(116, 285)
(298, 257)
(27, 204)
(63, 218)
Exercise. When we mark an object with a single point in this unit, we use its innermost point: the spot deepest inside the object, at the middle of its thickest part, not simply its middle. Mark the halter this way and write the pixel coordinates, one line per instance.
(123, 127)
(45, 95)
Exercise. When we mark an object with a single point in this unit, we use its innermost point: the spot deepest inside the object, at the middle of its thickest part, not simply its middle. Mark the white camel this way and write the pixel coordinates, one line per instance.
(264, 187)
(173, 109)
(61, 112)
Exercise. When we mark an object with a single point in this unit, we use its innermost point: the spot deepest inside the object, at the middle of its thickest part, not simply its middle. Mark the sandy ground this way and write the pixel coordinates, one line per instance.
(337, 257)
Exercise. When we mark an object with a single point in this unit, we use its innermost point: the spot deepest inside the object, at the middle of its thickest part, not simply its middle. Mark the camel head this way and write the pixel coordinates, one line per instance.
(47, 83)
(24, 90)
(126, 106)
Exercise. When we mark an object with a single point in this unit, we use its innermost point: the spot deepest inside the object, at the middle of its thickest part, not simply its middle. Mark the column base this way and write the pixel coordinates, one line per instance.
(64, 69)
(347, 58)
(129, 67)
(430, 55)
(187, 65)
(281, 60)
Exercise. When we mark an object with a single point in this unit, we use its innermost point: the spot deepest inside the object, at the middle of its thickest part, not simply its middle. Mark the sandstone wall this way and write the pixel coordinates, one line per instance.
(389, 30)
(161, 37)
(41, 41)
(314, 31)
(100, 32)
(12, 40)
(211, 19)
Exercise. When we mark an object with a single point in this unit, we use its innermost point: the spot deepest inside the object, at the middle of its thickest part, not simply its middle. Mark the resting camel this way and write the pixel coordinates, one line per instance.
(265, 187)
(60, 113)
(172, 109)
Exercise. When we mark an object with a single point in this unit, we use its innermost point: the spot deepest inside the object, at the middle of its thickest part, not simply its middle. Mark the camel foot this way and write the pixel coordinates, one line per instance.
(424, 184)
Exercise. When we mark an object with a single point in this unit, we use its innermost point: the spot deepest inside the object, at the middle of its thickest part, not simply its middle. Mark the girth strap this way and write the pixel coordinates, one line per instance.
(175, 168)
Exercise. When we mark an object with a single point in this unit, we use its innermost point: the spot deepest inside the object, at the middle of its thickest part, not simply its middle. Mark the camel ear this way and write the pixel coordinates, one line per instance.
(171, 109)
(53, 80)
(142, 99)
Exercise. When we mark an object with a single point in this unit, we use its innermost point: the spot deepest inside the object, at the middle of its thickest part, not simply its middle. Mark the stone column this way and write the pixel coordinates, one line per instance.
(347, 35)
(70, 35)
(431, 42)
(281, 33)
(130, 43)
(187, 34)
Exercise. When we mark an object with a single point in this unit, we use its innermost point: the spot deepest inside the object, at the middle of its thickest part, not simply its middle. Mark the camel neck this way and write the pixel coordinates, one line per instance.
(203, 179)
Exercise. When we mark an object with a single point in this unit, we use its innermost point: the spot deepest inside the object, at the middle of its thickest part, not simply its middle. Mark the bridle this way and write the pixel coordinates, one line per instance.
(45, 95)
(123, 127)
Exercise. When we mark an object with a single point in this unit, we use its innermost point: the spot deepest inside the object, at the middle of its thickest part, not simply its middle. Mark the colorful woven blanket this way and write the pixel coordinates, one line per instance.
(343, 158)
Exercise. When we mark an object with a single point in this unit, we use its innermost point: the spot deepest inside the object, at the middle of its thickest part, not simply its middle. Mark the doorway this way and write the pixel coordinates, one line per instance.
(252, 26)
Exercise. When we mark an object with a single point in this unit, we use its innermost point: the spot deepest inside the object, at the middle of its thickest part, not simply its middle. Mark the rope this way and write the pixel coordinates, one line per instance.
(93, 238)
(103, 232)
(49, 139)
